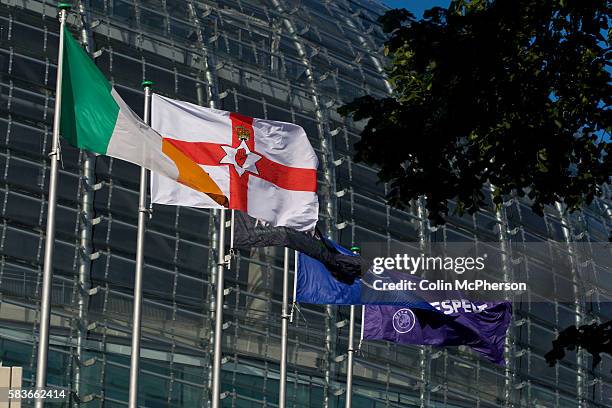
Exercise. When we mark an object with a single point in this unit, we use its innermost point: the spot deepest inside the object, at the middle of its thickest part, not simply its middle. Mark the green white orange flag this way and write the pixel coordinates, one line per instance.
(95, 118)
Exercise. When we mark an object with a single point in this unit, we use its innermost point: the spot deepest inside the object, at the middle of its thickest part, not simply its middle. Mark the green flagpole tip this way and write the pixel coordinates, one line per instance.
(147, 84)
(64, 6)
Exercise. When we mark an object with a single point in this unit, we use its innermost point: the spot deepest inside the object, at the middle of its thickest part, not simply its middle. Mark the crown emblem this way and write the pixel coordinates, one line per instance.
(243, 133)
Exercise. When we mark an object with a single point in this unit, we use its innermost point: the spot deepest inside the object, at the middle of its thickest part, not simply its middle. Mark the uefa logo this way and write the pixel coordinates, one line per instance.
(403, 320)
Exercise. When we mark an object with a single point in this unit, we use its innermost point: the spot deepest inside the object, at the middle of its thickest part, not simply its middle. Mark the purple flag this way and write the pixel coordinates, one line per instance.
(480, 325)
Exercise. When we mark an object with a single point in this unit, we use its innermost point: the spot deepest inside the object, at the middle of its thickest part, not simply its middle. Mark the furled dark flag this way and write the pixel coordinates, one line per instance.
(343, 267)
(480, 325)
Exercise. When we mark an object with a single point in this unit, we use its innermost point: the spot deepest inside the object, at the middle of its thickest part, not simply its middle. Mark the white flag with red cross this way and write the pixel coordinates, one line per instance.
(266, 168)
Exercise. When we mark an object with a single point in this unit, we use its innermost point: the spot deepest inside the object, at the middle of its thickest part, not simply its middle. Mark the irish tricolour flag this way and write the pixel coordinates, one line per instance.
(95, 118)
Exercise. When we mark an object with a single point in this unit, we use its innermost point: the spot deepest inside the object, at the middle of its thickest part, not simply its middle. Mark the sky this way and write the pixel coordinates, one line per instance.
(416, 6)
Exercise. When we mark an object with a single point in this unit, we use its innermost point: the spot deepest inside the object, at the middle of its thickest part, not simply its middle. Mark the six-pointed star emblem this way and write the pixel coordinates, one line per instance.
(241, 158)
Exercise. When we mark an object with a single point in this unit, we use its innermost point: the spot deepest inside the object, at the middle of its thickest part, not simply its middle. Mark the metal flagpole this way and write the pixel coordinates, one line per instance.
(362, 327)
(351, 350)
(232, 221)
(142, 219)
(216, 383)
(54, 156)
(295, 279)
(284, 324)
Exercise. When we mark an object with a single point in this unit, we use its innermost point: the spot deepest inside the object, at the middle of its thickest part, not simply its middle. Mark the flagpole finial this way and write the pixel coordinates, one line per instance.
(64, 6)
(147, 84)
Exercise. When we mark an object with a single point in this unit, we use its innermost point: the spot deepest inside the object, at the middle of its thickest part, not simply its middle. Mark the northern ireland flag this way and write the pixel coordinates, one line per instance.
(268, 169)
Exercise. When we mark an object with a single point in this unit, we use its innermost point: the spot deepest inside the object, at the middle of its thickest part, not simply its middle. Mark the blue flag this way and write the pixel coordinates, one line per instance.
(317, 285)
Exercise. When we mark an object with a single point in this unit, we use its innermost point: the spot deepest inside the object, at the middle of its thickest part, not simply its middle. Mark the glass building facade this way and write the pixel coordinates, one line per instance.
(288, 60)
